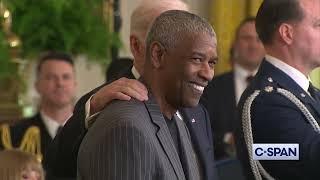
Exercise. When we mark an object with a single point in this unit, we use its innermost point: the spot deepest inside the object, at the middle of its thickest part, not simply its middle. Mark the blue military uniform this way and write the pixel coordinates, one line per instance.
(276, 119)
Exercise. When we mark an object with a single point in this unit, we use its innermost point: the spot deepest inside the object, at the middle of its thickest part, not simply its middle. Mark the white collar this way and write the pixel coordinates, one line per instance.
(51, 124)
(241, 72)
(135, 72)
(179, 115)
(292, 72)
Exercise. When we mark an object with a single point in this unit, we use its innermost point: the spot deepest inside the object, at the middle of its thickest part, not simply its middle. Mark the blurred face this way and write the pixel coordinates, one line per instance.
(306, 36)
(248, 49)
(188, 69)
(30, 175)
(56, 83)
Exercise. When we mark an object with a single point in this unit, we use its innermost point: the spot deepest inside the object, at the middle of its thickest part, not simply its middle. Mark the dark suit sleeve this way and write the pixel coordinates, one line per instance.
(122, 153)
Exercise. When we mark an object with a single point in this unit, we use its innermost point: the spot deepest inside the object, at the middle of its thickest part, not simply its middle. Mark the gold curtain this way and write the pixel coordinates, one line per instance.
(225, 17)
(253, 6)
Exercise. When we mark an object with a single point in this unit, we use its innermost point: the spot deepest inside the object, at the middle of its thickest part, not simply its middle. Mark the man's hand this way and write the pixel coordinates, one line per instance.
(122, 89)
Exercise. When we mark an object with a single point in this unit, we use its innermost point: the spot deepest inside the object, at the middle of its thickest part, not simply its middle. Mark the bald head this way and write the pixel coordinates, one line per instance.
(147, 11)
(141, 19)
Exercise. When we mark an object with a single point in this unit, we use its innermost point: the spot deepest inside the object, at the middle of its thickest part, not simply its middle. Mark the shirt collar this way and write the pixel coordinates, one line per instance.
(135, 72)
(51, 125)
(241, 72)
(292, 72)
(179, 115)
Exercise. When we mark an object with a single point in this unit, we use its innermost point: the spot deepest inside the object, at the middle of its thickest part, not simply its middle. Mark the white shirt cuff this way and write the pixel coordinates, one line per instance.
(227, 137)
(89, 120)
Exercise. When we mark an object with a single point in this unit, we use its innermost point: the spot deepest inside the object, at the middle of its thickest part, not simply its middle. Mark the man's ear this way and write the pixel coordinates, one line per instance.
(135, 45)
(286, 33)
(157, 52)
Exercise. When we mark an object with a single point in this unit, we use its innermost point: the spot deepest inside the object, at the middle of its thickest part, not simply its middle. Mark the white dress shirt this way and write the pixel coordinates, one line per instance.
(240, 80)
(51, 124)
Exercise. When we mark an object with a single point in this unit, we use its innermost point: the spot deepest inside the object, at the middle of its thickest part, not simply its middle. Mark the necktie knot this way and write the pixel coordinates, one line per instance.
(59, 129)
(312, 91)
(249, 79)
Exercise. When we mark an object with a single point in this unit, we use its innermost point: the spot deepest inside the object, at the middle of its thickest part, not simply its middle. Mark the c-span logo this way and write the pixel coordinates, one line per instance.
(275, 151)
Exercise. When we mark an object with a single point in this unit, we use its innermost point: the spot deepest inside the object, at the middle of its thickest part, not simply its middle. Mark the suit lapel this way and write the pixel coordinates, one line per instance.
(38, 121)
(164, 137)
(231, 89)
(233, 106)
(198, 138)
(187, 149)
(45, 137)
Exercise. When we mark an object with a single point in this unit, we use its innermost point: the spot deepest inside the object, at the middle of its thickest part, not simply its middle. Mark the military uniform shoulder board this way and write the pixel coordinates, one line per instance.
(256, 166)
(30, 143)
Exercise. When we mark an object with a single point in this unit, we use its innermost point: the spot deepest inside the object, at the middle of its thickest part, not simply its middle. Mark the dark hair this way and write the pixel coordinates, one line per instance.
(53, 55)
(272, 13)
(169, 27)
(243, 22)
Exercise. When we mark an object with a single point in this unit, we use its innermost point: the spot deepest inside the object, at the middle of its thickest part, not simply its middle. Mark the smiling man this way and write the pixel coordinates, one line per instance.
(149, 140)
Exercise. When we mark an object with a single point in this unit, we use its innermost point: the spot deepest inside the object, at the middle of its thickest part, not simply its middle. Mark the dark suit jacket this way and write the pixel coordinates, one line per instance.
(131, 140)
(275, 119)
(62, 155)
(19, 129)
(117, 67)
(198, 123)
(219, 100)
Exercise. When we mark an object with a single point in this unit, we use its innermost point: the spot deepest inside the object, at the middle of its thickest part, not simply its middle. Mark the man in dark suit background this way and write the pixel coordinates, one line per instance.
(148, 140)
(63, 154)
(281, 95)
(56, 85)
(223, 92)
(117, 67)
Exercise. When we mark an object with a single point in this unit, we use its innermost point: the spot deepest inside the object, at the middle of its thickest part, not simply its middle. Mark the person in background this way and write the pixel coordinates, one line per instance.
(118, 67)
(281, 105)
(222, 94)
(56, 85)
(18, 165)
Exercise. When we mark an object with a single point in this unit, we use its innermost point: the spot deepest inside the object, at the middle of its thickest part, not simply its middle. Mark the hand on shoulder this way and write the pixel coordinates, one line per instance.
(121, 89)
